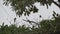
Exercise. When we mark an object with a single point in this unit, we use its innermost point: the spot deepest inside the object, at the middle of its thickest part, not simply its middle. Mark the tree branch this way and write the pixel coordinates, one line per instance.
(56, 3)
(30, 21)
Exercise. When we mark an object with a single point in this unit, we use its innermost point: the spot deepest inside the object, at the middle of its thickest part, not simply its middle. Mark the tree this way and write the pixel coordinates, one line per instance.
(44, 27)
(19, 6)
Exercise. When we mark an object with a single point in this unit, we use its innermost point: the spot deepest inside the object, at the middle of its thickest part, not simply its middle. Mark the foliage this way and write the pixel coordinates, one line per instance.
(45, 27)
(20, 5)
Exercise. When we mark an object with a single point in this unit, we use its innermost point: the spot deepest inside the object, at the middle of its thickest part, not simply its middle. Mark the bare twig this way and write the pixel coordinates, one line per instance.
(56, 3)
(30, 21)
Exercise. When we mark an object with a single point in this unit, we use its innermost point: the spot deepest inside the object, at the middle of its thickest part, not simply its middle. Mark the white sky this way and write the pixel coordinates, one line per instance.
(7, 15)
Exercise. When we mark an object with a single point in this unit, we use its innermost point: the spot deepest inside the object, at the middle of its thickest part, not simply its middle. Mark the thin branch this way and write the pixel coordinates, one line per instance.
(30, 21)
(56, 3)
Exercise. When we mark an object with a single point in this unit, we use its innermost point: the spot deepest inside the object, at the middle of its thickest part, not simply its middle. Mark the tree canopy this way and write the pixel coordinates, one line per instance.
(19, 6)
(43, 27)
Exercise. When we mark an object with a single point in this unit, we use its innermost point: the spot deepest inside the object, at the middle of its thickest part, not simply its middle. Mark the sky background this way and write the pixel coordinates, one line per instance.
(7, 15)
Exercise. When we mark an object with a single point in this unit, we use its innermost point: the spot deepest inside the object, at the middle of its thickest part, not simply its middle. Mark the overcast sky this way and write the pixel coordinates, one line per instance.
(7, 15)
